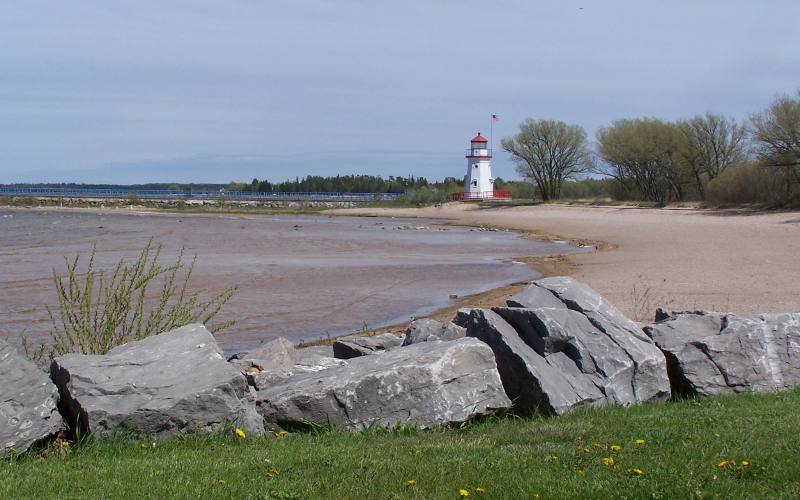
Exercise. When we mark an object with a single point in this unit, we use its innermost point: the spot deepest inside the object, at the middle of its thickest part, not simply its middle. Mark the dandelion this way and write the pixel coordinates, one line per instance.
(280, 434)
(597, 446)
(615, 447)
(723, 464)
(636, 472)
(479, 491)
(608, 461)
(221, 482)
(240, 433)
(411, 482)
(745, 463)
(142, 445)
(12, 451)
(199, 426)
(463, 493)
(639, 442)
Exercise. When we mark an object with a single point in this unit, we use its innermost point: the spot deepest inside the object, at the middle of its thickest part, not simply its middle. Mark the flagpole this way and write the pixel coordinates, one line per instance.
(491, 133)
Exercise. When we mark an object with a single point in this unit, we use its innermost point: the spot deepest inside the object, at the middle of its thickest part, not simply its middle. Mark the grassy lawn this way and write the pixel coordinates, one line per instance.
(684, 444)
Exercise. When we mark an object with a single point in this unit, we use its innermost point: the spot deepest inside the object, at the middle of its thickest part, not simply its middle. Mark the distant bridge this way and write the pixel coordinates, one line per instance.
(175, 194)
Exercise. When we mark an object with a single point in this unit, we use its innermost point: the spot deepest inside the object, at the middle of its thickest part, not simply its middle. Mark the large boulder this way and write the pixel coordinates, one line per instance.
(613, 339)
(624, 368)
(713, 353)
(354, 346)
(420, 385)
(170, 383)
(28, 400)
(548, 384)
(426, 329)
(567, 346)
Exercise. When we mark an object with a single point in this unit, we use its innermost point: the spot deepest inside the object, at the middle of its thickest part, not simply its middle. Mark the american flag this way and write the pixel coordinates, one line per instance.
(495, 118)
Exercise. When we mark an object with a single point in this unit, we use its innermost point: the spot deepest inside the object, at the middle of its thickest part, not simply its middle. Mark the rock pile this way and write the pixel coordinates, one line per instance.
(556, 345)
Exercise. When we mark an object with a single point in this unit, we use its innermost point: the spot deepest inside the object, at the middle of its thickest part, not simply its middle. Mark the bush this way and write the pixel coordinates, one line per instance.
(98, 311)
(751, 184)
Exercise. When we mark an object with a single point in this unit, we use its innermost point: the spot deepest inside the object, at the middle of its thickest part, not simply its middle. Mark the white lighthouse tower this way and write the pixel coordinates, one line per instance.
(480, 183)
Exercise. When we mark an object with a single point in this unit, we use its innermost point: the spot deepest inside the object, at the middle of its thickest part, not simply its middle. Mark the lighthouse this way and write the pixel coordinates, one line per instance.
(479, 182)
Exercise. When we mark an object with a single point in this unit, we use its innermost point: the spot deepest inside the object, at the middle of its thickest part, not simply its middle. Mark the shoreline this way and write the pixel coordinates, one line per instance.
(739, 261)
(540, 265)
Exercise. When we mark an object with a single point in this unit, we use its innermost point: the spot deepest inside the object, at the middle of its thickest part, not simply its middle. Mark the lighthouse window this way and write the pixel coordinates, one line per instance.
(475, 182)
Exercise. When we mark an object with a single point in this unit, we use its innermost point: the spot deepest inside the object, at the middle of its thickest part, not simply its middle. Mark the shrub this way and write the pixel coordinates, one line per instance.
(98, 311)
(751, 184)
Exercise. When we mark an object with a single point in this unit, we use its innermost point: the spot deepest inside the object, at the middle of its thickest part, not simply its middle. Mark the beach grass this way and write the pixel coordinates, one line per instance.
(743, 446)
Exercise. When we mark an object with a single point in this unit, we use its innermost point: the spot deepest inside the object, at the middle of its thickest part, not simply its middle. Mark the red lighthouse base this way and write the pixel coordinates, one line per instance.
(497, 194)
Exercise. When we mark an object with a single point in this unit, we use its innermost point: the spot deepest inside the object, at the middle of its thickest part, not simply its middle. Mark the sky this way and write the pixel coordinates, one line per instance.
(202, 91)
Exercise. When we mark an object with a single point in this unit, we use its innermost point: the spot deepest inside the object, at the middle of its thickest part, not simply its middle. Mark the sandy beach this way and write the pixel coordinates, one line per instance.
(733, 261)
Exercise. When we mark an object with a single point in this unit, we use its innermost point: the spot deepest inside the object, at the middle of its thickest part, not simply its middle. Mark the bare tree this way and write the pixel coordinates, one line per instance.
(548, 152)
(776, 133)
(645, 154)
(713, 143)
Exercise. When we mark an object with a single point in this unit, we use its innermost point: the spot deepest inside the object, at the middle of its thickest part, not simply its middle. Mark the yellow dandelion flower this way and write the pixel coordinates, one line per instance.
(608, 461)
(463, 493)
(280, 434)
(597, 445)
(636, 472)
(199, 426)
(639, 442)
(745, 463)
(722, 464)
(479, 490)
(411, 482)
(271, 473)
(615, 447)
(240, 433)
(221, 482)
(142, 445)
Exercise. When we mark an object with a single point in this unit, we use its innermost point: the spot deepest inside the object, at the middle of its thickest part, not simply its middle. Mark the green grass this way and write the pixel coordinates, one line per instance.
(509, 458)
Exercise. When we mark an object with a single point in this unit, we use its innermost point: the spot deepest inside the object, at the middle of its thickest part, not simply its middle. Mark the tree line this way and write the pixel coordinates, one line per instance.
(705, 156)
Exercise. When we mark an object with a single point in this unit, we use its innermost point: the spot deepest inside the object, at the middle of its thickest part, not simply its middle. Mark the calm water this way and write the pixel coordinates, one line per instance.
(299, 277)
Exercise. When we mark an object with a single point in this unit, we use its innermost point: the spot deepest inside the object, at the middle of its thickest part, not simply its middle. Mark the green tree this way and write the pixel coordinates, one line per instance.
(645, 155)
(776, 134)
(548, 152)
(713, 144)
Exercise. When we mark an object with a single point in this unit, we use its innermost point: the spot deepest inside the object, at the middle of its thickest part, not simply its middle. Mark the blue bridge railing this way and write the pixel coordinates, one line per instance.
(170, 194)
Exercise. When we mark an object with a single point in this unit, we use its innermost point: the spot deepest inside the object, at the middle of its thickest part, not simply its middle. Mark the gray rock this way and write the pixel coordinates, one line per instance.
(624, 368)
(323, 351)
(548, 384)
(28, 402)
(278, 360)
(426, 329)
(170, 383)
(420, 385)
(712, 353)
(535, 296)
(462, 317)
(354, 346)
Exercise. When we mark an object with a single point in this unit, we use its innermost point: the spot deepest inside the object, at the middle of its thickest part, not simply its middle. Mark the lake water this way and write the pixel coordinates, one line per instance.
(300, 277)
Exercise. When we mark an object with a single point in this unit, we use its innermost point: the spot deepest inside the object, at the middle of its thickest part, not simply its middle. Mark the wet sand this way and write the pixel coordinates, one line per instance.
(728, 260)
(304, 277)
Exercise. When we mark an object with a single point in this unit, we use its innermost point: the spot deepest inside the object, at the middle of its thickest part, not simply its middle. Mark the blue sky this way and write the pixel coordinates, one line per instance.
(202, 91)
